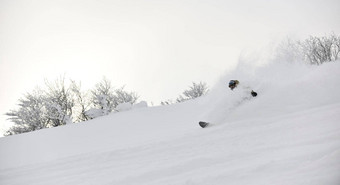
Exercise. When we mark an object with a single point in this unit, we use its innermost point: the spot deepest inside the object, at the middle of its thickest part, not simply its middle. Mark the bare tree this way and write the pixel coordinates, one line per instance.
(194, 91)
(313, 50)
(318, 50)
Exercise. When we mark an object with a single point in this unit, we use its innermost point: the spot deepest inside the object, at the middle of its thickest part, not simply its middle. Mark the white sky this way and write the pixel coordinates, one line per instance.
(154, 47)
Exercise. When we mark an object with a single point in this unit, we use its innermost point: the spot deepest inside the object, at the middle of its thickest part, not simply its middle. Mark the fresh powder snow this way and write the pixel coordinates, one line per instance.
(288, 135)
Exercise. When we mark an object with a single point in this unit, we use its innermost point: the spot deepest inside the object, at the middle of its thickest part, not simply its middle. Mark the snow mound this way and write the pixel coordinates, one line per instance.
(142, 104)
(124, 107)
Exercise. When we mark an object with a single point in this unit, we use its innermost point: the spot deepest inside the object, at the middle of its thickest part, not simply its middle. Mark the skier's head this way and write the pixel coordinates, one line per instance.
(233, 84)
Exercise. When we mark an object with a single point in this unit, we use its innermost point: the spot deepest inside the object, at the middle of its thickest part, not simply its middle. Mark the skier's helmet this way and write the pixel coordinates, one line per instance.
(233, 83)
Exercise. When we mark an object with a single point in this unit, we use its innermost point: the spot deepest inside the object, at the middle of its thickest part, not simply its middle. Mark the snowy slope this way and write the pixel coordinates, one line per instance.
(289, 134)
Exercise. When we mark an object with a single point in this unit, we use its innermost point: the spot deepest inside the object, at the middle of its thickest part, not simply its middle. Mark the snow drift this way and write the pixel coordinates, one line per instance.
(288, 134)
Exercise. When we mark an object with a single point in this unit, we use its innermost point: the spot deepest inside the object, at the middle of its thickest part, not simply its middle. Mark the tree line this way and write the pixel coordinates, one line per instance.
(60, 103)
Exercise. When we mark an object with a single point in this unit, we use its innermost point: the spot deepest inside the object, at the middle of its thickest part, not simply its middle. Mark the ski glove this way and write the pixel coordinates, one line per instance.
(253, 93)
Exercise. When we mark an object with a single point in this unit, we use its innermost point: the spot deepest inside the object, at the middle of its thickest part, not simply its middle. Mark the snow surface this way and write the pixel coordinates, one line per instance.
(288, 135)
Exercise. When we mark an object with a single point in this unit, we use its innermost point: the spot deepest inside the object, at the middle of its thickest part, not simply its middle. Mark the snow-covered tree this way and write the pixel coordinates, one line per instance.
(194, 91)
(313, 50)
(121, 96)
(102, 98)
(105, 99)
(59, 102)
(43, 108)
(82, 102)
(31, 114)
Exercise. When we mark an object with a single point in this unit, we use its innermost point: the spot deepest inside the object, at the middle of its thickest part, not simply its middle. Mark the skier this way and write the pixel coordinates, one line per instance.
(242, 92)
(233, 84)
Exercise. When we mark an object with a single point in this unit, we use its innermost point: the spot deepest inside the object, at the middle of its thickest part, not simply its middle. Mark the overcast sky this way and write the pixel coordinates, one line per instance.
(154, 47)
